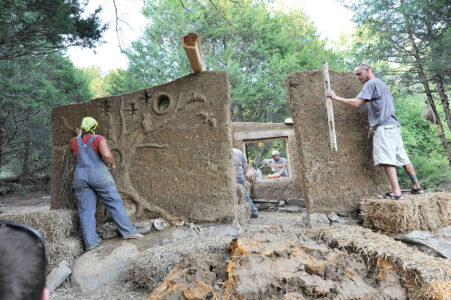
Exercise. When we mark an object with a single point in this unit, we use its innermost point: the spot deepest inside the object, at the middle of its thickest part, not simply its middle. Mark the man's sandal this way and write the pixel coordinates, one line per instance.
(417, 191)
(392, 196)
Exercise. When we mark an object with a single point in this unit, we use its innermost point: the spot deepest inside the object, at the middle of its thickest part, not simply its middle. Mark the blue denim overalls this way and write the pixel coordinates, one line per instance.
(91, 178)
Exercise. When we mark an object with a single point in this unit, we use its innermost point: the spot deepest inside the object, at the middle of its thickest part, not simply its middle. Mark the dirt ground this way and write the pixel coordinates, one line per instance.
(278, 259)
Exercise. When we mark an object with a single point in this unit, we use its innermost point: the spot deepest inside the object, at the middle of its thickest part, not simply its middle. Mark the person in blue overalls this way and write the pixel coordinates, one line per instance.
(92, 179)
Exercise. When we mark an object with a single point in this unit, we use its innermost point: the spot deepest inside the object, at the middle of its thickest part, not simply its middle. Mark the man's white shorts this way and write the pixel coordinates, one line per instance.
(388, 148)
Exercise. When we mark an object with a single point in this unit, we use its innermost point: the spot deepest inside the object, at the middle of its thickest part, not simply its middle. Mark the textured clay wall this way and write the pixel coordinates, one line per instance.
(331, 181)
(279, 188)
(172, 145)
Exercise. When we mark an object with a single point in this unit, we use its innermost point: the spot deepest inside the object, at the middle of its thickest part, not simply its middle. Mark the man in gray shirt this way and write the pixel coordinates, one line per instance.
(241, 166)
(278, 164)
(388, 148)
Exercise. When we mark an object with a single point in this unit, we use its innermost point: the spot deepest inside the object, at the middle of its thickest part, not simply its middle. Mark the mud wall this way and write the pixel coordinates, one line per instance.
(279, 188)
(331, 181)
(172, 145)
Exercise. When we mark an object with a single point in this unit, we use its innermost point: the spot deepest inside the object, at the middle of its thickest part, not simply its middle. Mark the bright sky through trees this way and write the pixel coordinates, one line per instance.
(330, 17)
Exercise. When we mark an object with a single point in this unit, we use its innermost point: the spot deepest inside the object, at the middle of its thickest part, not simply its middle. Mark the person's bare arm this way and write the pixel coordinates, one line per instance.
(279, 165)
(354, 102)
(245, 167)
(106, 153)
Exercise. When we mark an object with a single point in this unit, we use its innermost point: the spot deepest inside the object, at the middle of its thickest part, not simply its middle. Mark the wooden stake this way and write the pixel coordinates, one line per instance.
(330, 109)
(191, 45)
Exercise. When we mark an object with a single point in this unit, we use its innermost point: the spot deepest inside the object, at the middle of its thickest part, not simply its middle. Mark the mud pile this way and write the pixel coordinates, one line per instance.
(274, 263)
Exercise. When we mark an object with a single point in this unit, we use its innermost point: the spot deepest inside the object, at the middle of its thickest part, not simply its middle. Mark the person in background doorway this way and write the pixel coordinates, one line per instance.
(388, 147)
(241, 165)
(92, 178)
(278, 164)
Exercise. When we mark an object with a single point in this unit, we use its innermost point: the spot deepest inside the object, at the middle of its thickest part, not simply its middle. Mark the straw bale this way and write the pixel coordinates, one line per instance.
(54, 225)
(436, 291)
(417, 269)
(60, 229)
(64, 249)
(420, 212)
(150, 267)
(251, 175)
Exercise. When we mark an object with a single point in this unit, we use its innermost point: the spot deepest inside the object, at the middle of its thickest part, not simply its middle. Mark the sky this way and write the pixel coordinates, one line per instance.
(329, 16)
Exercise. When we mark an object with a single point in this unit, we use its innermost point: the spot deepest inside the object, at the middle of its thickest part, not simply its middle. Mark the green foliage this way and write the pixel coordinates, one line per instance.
(257, 47)
(423, 145)
(95, 81)
(28, 92)
(35, 28)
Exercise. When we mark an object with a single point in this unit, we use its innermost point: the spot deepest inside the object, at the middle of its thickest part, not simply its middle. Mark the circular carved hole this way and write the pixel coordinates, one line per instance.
(162, 104)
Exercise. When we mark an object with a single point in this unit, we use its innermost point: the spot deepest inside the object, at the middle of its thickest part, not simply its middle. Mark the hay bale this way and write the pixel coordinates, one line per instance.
(150, 267)
(251, 175)
(418, 271)
(65, 249)
(60, 229)
(54, 225)
(420, 212)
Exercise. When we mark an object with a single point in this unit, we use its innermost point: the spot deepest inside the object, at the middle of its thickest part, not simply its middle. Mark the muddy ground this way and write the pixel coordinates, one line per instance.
(278, 260)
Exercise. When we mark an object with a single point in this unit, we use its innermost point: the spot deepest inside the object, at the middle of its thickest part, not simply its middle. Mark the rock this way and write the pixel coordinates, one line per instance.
(290, 209)
(444, 232)
(281, 203)
(296, 201)
(180, 234)
(160, 224)
(318, 220)
(426, 242)
(58, 275)
(108, 230)
(144, 227)
(266, 205)
(333, 217)
(107, 264)
(178, 223)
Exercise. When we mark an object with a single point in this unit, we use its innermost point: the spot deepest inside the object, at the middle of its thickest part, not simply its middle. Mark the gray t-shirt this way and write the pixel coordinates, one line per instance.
(280, 161)
(239, 159)
(381, 108)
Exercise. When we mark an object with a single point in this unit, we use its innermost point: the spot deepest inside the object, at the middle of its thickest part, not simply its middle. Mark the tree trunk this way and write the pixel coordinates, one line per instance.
(445, 103)
(438, 78)
(428, 93)
(26, 159)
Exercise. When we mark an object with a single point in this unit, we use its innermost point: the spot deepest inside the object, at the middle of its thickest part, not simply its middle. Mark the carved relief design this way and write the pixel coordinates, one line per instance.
(162, 103)
(194, 99)
(146, 98)
(132, 109)
(210, 119)
(105, 105)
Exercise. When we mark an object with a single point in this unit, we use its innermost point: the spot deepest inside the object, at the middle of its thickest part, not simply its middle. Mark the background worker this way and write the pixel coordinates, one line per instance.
(277, 163)
(91, 178)
(23, 263)
(241, 165)
(388, 147)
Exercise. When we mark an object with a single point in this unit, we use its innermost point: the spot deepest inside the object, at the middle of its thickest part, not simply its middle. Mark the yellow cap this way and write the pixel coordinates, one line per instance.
(89, 124)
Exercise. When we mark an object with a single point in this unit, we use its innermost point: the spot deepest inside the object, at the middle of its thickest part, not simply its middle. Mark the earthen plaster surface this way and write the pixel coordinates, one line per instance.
(331, 181)
(172, 144)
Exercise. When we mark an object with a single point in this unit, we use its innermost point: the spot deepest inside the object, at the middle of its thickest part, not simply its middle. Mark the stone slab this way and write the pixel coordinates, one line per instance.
(172, 144)
(331, 181)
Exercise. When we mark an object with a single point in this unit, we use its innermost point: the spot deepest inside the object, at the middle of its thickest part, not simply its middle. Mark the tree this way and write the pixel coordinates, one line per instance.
(28, 92)
(411, 35)
(34, 28)
(256, 45)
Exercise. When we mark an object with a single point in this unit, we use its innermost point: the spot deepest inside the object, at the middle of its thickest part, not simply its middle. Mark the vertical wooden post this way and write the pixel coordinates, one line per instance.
(191, 45)
(330, 109)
